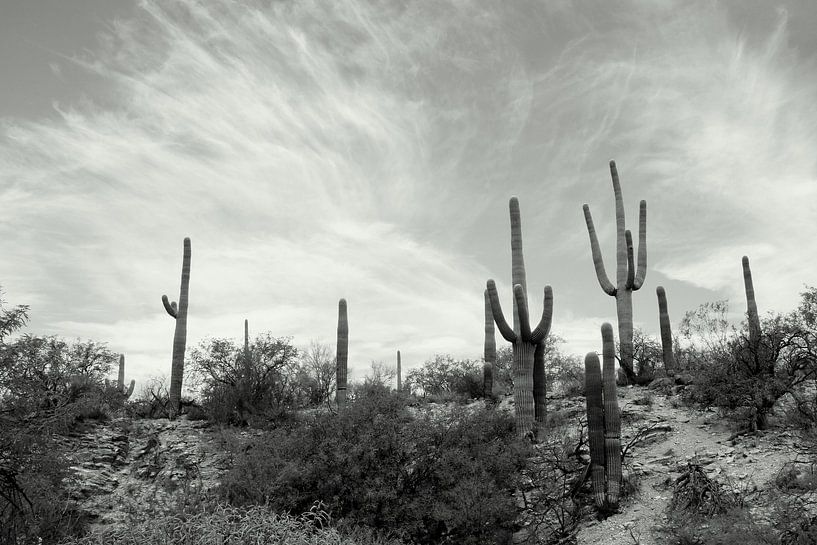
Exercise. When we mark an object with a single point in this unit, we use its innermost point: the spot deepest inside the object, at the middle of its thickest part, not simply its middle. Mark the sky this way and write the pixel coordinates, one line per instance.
(367, 149)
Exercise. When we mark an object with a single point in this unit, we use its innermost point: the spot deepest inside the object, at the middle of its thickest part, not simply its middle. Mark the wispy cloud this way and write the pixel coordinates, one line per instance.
(317, 150)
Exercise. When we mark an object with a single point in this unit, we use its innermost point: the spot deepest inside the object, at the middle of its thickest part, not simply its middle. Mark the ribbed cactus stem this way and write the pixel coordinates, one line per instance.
(666, 331)
(179, 313)
(629, 275)
(751, 306)
(489, 351)
(612, 418)
(120, 379)
(399, 373)
(539, 386)
(342, 352)
(595, 425)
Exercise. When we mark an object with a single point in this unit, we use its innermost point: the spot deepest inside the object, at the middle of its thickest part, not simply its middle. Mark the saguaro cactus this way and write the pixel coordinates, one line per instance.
(399, 374)
(628, 279)
(526, 352)
(604, 423)
(751, 307)
(120, 380)
(179, 313)
(666, 331)
(760, 358)
(342, 352)
(489, 354)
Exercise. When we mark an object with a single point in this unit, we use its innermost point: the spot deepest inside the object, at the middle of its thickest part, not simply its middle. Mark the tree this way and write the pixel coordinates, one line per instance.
(444, 375)
(318, 372)
(234, 386)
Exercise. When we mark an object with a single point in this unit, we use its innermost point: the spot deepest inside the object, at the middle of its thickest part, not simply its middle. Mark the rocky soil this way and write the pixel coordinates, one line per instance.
(748, 464)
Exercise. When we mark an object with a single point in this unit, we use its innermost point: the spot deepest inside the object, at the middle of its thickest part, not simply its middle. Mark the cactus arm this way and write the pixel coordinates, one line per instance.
(642, 246)
(612, 418)
(342, 355)
(628, 237)
(621, 243)
(496, 309)
(129, 391)
(522, 307)
(538, 335)
(595, 424)
(171, 308)
(598, 261)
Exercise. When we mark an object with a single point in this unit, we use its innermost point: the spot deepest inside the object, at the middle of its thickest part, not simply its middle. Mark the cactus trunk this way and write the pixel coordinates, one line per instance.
(342, 353)
(120, 379)
(399, 373)
(179, 313)
(628, 278)
(604, 423)
(489, 353)
(666, 331)
(539, 387)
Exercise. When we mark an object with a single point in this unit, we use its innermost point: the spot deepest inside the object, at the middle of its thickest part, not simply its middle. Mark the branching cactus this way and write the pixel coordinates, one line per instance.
(342, 352)
(489, 354)
(179, 313)
(604, 423)
(666, 331)
(399, 373)
(120, 380)
(527, 354)
(628, 279)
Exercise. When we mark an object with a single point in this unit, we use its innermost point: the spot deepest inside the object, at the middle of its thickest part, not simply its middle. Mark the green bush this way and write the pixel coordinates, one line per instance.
(444, 477)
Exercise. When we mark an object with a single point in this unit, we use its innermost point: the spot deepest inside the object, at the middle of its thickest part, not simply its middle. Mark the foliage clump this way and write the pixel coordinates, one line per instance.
(432, 477)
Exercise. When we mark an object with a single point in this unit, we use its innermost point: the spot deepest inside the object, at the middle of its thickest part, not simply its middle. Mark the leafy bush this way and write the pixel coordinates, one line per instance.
(225, 525)
(444, 375)
(431, 478)
(743, 378)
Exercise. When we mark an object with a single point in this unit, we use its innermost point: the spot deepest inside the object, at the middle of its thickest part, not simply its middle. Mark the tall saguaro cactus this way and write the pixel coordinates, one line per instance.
(120, 379)
(489, 353)
(666, 331)
(246, 339)
(179, 313)
(342, 352)
(628, 279)
(751, 306)
(399, 374)
(604, 423)
(527, 354)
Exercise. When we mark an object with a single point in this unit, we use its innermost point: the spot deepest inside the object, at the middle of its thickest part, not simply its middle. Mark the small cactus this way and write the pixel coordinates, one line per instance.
(628, 279)
(179, 313)
(666, 331)
(604, 423)
(489, 354)
(342, 353)
(120, 380)
(399, 374)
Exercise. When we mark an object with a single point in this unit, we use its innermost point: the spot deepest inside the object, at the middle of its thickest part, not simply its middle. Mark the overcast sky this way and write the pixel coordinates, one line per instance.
(364, 149)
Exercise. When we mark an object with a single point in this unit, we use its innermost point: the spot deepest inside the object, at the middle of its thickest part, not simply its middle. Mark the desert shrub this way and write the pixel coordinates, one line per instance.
(564, 373)
(647, 357)
(237, 386)
(225, 525)
(431, 478)
(444, 375)
(743, 378)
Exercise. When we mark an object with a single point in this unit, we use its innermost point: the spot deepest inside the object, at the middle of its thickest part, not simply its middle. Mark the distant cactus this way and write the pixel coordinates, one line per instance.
(120, 380)
(751, 306)
(179, 313)
(666, 331)
(523, 340)
(399, 374)
(628, 279)
(489, 354)
(342, 353)
(246, 339)
(604, 423)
